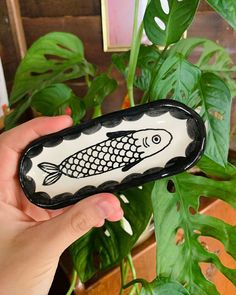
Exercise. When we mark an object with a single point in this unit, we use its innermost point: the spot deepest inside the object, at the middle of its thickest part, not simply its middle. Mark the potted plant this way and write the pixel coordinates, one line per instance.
(206, 85)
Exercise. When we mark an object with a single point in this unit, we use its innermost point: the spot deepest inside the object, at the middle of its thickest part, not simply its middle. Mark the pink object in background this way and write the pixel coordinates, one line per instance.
(118, 19)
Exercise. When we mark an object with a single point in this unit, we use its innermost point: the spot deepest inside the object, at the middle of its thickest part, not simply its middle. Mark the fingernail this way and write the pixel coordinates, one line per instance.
(106, 208)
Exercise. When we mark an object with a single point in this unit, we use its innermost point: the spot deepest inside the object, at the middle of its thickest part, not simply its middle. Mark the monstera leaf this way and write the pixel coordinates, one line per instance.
(53, 58)
(176, 78)
(212, 58)
(216, 105)
(165, 21)
(162, 287)
(173, 199)
(146, 65)
(52, 100)
(227, 9)
(100, 87)
(211, 168)
(105, 247)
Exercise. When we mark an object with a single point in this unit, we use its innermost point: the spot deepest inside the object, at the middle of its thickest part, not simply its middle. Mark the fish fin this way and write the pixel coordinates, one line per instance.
(130, 165)
(116, 134)
(53, 172)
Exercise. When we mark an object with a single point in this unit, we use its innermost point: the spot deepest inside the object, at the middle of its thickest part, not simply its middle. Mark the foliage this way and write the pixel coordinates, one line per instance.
(227, 9)
(111, 243)
(162, 286)
(172, 212)
(159, 20)
(195, 71)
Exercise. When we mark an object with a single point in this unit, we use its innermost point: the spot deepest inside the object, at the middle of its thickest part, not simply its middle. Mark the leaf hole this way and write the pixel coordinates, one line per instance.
(178, 206)
(213, 59)
(208, 270)
(68, 71)
(196, 54)
(197, 232)
(107, 233)
(215, 246)
(179, 237)
(171, 186)
(160, 23)
(165, 6)
(55, 57)
(41, 74)
(124, 199)
(192, 211)
(64, 47)
(126, 226)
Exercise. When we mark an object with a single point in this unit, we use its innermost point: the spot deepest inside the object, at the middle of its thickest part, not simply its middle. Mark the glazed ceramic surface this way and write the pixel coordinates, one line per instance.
(111, 153)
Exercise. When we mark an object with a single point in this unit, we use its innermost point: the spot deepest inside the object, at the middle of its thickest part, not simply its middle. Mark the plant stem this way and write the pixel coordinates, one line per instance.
(73, 282)
(136, 41)
(87, 80)
(133, 271)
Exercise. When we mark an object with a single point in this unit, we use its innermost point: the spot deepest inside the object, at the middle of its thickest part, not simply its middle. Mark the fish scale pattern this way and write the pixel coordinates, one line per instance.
(105, 156)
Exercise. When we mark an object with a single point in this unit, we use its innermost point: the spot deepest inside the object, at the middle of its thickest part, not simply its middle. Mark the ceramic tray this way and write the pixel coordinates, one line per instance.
(110, 153)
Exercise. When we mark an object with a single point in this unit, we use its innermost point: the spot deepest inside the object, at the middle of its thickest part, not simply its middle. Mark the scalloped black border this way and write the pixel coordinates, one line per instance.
(196, 130)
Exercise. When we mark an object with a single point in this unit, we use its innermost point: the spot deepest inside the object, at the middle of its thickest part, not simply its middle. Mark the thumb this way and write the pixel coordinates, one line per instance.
(61, 231)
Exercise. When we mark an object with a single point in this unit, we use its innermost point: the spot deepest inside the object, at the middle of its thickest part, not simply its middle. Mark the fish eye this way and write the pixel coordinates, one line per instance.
(156, 139)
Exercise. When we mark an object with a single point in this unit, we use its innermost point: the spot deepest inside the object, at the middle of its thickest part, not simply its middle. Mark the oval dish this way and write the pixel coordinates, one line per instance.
(111, 153)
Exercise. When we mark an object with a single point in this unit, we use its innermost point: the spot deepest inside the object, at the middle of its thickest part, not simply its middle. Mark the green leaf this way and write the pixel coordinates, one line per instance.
(165, 25)
(211, 57)
(179, 261)
(105, 247)
(52, 100)
(78, 109)
(120, 61)
(211, 168)
(12, 118)
(216, 104)
(148, 60)
(227, 9)
(176, 78)
(100, 87)
(163, 286)
(53, 58)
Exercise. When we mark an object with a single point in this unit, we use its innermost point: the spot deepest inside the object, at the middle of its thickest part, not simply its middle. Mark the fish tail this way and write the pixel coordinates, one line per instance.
(53, 171)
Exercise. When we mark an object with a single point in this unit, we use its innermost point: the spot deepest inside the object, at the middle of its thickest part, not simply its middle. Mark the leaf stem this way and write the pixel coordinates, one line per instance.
(134, 276)
(73, 282)
(135, 45)
(87, 80)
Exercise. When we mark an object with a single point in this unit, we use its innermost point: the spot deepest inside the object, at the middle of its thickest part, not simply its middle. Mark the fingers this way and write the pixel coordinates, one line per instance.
(61, 231)
(19, 137)
(14, 141)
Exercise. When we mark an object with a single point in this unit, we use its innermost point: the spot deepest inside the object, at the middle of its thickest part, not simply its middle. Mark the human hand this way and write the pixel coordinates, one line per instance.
(31, 238)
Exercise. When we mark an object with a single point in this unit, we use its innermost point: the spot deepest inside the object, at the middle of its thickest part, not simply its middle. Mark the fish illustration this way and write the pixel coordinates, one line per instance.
(121, 149)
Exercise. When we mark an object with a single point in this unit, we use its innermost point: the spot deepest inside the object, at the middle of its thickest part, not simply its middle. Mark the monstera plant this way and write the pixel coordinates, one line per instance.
(161, 70)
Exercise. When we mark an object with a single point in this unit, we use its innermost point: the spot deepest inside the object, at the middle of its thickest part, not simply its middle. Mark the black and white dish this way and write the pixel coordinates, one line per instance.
(111, 153)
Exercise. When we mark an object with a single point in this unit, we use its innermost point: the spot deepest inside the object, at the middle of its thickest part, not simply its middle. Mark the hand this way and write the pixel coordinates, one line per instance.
(32, 239)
